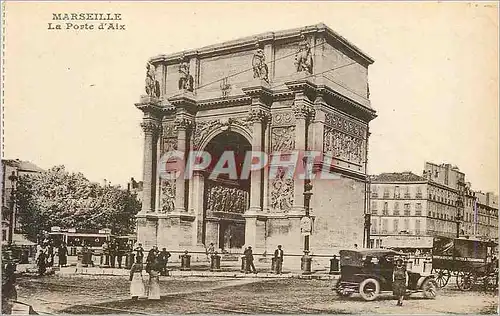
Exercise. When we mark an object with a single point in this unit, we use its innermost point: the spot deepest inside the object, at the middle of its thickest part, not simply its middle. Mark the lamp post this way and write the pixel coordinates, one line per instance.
(306, 259)
(13, 179)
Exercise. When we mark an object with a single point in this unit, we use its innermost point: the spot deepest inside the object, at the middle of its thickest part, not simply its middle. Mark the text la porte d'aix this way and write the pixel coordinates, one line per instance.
(86, 21)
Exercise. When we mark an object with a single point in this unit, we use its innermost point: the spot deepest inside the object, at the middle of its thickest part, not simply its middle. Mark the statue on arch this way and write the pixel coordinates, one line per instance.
(259, 65)
(152, 85)
(186, 81)
(303, 58)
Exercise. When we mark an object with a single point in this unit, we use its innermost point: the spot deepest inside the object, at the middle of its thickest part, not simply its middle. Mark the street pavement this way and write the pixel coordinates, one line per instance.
(109, 295)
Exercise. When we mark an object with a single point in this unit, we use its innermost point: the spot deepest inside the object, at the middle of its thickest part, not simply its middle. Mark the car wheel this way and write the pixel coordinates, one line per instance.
(429, 288)
(369, 289)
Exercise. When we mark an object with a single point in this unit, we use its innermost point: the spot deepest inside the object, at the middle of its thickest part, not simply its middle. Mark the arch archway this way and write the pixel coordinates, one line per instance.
(225, 198)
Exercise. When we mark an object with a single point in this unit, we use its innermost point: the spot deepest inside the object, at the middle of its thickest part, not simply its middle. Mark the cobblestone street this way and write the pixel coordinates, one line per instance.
(105, 295)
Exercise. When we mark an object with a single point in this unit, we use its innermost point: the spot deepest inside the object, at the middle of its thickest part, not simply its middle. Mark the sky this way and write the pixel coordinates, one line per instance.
(69, 94)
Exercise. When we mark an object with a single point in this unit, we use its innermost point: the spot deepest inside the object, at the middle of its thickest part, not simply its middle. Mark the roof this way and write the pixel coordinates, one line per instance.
(406, 176)
(262, 37)
(20, 165)
(373, 252)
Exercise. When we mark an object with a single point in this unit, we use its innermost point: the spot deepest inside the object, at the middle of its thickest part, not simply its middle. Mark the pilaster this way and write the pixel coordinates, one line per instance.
(259, 115)
(303, 110)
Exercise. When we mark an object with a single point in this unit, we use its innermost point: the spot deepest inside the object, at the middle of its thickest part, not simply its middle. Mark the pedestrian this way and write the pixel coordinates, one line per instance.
(163, 258)
(41, 262)
(112, 253)
(62, 253)
(50, 254)
(154, 280)
(152, 255)
(249, 259)
(9, 292)
(105, 251)
(399, 281)
(355, 246)
(119, 254)
(139, 253)
(278, 260)
(137, 288)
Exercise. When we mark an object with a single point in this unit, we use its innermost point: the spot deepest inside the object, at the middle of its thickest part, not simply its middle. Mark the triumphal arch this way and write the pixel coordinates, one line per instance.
(291, 91)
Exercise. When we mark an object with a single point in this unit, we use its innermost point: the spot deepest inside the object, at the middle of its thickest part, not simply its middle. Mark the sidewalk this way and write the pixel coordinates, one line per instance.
(68, 271)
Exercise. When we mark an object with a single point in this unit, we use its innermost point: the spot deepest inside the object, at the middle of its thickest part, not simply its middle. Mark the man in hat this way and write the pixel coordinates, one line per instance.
(278, 257)
(249, 258)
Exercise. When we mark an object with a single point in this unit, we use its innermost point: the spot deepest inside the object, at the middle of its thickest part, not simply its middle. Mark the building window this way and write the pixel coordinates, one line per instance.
(385, 211)
(374, 192)
(407, 192)
(395, 225)
(407, 224)
(396, 192)
(386, 193)
(374, 226)
(417, 227)
(384, 226)
(419, 193)
(418, 209)
(396, 208)
(407, 209)
(374, 208)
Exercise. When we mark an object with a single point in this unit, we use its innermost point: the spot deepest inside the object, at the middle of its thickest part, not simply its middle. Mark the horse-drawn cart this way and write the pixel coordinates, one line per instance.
(469, 261)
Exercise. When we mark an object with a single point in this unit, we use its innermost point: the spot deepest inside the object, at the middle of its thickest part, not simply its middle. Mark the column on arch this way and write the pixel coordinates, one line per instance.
(151, 128)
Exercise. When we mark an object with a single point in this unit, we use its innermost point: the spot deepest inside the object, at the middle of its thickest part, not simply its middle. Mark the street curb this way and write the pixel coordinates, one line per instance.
(70, 271)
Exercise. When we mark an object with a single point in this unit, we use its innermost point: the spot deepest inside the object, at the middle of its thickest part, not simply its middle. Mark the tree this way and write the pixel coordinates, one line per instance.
(69, 200)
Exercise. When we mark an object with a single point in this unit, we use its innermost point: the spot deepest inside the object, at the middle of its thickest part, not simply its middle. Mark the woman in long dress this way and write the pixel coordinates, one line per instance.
(154, 281)
(399, 281)
(137, 288)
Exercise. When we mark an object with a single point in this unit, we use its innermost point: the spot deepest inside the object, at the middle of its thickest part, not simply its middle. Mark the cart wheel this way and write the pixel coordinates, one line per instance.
(369, 289)
(465, 280)
(442, 277)
(429, 288)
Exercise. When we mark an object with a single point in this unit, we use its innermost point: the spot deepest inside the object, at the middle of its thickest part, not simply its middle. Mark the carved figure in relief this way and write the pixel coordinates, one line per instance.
(186, 81)
(152, 85)
(283, 138)
(224, 199)
(259, 65)
(303, 58)
(281, 192)
(168, 196)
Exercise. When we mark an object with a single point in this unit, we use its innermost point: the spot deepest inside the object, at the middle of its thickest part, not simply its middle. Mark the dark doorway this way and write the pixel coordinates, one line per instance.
(226, 199)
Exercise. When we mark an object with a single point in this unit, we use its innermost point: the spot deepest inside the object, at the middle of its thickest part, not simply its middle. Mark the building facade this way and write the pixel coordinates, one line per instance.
(17, 168)
(439, 203)
(288, 91)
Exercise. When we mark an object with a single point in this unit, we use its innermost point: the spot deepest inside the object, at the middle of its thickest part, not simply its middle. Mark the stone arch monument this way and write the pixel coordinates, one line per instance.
(295, 90)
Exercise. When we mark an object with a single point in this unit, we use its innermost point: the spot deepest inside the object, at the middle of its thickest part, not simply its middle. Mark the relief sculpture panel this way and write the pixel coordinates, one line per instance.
(281, 192)
(167, 196)
(221, 198)
(344, 139)
(283, 138)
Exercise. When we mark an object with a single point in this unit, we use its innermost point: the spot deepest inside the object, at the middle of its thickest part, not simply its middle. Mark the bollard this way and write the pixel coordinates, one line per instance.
(273, 265)
(185, 262)
(215, 263)
(306, 264)
(243, 264)
(334, 265)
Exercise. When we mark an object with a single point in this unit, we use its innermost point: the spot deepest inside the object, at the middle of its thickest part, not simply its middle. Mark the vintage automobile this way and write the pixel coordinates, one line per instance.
(369, 272)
